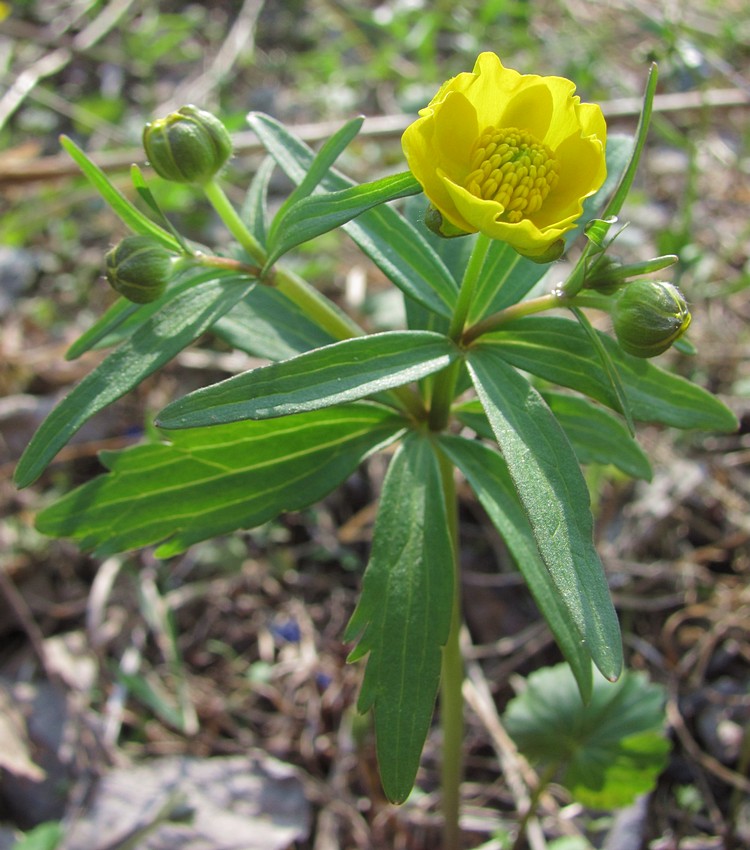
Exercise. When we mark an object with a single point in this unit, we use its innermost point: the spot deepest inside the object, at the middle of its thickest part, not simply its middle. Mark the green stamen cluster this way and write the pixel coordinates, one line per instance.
(513, 168)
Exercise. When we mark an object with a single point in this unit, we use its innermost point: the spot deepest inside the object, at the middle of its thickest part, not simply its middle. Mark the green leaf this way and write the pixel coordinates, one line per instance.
(156, 342)
(488, 475)
(608, 367)
(609, 751)
(549, 482)
(626, 181)
(318, 214)
(129, 214)
(254, 210)
(404, 614)
(343, 371)
(46, 836)
(560, 351)
(123, 318)
(396, 247)
(267, 324)
(619, 153)
(608, 216)
(319, 167)
(210, 481)
(596, 435)
(139, 182)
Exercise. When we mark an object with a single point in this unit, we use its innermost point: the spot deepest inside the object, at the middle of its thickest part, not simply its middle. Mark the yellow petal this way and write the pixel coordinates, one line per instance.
(439, 147)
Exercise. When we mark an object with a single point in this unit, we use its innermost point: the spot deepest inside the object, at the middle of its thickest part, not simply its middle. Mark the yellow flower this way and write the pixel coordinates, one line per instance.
(509, 155)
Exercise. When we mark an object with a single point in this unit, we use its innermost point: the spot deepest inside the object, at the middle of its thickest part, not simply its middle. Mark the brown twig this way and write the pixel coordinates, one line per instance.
(21, 171)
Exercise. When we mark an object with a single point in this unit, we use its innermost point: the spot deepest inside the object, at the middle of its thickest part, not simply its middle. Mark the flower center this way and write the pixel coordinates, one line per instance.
(513, 168)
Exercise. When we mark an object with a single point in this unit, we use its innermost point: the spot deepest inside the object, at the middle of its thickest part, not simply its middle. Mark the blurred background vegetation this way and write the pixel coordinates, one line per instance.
(98, 71)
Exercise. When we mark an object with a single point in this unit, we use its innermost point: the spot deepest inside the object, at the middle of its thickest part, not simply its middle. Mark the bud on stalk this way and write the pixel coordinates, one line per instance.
(648, 316)
(188, 146)
(139, 268)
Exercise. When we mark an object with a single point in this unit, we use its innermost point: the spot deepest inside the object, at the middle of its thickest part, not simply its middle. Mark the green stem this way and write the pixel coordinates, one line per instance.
(468, 285)
(515, 311)
(228, 214)
(444, 384)
(544, 781)
(451, 682)
(442, 396)
(315, 305)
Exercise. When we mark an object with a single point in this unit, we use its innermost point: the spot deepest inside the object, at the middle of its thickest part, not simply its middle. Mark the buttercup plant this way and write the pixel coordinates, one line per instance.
(517, 166)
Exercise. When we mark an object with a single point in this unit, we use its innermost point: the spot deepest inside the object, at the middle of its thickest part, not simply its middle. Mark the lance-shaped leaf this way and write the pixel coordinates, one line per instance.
(560, 351)
(319, 167)
(210, 481)
(595, 434)
(254, 210)
(318, 214)
(121, 320)
(549, 482)
(404, 614)
(156, 342)
(394, 245)
(129, 214)
(488, 475)
(268, 324)
(344, 371)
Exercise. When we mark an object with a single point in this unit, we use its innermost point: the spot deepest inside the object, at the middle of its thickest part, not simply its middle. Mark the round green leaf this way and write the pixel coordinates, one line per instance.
(608, 751)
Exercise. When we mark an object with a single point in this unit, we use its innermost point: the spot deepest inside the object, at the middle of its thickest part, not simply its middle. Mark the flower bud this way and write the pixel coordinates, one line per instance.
(649, 316)
(139, 268)
(188, 146)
